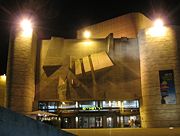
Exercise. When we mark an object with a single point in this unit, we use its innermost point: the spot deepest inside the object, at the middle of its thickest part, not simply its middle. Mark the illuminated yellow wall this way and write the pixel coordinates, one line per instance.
(115, 69)
(21, 72)
(126, 25)
(159, 52)
(3, 91)
(59, 51)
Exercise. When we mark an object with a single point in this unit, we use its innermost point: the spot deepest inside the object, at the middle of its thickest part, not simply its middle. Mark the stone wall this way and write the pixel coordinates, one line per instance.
(159, 53)
(123, 26)
(122, 82)
(117, 79)
(58, 52)
(21, 72)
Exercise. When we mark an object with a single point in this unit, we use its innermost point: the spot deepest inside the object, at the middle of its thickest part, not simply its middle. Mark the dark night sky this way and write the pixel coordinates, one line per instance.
(64, 17)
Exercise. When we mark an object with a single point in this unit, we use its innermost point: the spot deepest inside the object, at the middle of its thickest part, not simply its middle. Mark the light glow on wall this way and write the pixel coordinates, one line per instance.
(87, 43)
(3, 77)
(26, 27)
(158, 29)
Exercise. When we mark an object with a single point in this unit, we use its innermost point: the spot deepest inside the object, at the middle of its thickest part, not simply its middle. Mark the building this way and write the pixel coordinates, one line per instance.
(126, 71)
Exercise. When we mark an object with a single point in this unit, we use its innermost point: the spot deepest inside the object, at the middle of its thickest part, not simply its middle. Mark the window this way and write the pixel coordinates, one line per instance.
(131, 104)
(47, 106)
(105, 103)
(42, 105)
(85, 104)
(67, 105)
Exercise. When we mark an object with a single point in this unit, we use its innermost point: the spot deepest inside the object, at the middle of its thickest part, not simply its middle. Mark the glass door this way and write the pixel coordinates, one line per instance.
(66, 122)
(92, 122)
(83, 122)
(98, 122)
(109, 122)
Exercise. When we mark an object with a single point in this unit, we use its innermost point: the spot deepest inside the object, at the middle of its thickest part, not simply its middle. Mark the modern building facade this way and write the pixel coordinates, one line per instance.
(126, 71)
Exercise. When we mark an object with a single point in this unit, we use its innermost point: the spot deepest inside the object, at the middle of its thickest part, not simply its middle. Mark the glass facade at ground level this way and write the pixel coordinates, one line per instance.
(92, 114)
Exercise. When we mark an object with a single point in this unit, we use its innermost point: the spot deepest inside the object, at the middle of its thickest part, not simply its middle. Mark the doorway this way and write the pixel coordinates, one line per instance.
(90, 122)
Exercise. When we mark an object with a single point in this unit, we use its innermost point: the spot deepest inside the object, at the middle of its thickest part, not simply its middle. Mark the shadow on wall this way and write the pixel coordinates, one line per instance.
(14, 124)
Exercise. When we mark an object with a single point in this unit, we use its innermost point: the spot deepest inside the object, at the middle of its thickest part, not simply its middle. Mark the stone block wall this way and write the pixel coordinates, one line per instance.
(122, 26)
(119, 81)
(21, 72)
(159, 53)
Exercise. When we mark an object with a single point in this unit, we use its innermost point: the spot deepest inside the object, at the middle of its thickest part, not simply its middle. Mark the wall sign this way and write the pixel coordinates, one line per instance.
(92, 108)
(167, 87)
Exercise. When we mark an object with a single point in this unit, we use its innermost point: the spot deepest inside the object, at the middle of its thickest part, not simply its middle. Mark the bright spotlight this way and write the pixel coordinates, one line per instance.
(87, 34)
(26, 26)
(158, 23)
(158, 28)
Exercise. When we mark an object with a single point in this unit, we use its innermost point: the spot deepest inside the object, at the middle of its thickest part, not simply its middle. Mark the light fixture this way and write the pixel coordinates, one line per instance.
(26, 27)
(158, 23)
(87, 34)
(158, 28)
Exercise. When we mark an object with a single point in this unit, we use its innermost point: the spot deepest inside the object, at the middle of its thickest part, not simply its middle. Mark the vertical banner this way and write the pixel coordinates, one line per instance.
(167, 87)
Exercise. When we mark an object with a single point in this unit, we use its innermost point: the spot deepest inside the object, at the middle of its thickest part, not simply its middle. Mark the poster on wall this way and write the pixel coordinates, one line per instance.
(167, 87)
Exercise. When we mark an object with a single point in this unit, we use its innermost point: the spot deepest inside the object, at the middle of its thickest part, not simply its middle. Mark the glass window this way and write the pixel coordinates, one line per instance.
(109, 122)
(85, 104)
(91, 122)
(131, 104)
(98, 122)
(83, 122)
(52, 105)
(42, 105)
(68, 105)
(51, 110)
(105, 103)
(115, 104)
(47, 106)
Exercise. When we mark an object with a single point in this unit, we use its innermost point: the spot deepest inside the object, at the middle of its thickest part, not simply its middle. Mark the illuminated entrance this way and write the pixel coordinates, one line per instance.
(90, 122)
(95, 114)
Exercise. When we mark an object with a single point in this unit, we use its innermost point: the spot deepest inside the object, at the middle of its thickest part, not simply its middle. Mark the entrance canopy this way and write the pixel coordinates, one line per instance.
(41, 113)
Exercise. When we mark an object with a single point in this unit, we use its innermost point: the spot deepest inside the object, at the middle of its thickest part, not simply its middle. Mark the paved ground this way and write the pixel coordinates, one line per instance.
(126, 132)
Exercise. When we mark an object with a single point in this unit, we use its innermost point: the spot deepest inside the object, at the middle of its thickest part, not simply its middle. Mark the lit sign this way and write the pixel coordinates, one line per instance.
(92, 108)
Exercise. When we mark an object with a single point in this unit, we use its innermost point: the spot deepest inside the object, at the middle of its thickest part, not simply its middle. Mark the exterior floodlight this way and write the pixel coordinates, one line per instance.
(87, 34)
(158, 28)
(26, 26)
(158, 23)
